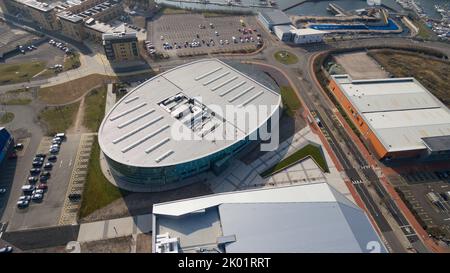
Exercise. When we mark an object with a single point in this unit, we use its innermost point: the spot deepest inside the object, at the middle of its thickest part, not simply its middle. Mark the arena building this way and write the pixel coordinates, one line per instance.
(177, 125)
(398, 117)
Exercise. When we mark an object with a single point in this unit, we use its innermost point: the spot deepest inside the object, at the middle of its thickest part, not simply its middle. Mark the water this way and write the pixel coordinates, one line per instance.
(319, 7)
(428, 7)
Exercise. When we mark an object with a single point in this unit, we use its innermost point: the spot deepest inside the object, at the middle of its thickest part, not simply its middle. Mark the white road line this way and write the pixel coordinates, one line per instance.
(70, 162)
(60, 164)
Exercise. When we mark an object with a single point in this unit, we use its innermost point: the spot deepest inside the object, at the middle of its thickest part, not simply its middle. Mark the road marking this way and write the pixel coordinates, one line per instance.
(60, 163)
(70, 162)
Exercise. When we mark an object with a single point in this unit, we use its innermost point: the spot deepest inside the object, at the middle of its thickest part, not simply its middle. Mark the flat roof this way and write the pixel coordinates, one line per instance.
(400, 111)
(276, 17)
(301, 218)
(119, 35)
(146, 127)
(37, 5)
(307, 31)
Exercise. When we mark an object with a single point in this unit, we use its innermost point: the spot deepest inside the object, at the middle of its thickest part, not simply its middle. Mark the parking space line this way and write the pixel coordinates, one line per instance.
(76, 184)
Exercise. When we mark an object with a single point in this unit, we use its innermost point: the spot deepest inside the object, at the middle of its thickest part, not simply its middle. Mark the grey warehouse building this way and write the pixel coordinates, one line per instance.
(272, 18)
(295, 219)
(175, 126)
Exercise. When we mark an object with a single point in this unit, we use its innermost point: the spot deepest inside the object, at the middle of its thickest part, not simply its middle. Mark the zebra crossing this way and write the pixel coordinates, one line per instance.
(76, 184)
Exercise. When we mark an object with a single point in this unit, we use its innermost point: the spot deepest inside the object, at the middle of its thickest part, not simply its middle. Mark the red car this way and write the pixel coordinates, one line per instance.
(42, 186)
(12, 155)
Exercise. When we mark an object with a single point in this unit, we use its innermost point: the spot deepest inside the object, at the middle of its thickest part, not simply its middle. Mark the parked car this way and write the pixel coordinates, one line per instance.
(46, 173)
(48, 166)
(35, 171)
(28, 188)
(32, 179)
(12, 155)
(42, 186)
(25, 198)
(74, 196)
(37, 197)
(23, 204)
(37, 164)
(60, 135)
(53, 150)
(6, 249)
(18, 146)
(41, 155)
(41, 159)
(38, 191)
(52, 158)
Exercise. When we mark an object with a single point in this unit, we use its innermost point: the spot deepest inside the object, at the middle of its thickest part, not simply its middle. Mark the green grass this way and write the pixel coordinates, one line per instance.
(309, 150)
(98, 191)
(6, 117)
(17, 102)
(18, 91)
(424, 31)
(167, 11)
(94, 108)
(72, 61)
(285, 57)
(290, 100)
(59, 118)
(14, 73)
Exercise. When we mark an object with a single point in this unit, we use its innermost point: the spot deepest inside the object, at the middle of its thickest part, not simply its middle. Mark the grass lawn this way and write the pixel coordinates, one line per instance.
(13, 73)
(285, 57)
(72, 61)
(98, 191)
(94, 108)
(290, 100)
(308, 151)
(434, 74)
(167, 11)
(424, 31)
(59, 118)
(72, 90)
(17, 102)
(17, 91)
(6, 117)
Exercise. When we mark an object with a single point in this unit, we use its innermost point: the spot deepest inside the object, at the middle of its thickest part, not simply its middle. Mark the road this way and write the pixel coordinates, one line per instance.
(347, 152)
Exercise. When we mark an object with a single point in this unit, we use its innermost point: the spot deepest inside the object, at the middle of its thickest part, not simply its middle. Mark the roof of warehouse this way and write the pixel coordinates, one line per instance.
(400, 111)
(276, 17)
(302, 218)
(307, 31)
(138, 131)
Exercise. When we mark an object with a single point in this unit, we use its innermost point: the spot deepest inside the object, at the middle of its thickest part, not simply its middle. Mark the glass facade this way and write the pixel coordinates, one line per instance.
(161, 176)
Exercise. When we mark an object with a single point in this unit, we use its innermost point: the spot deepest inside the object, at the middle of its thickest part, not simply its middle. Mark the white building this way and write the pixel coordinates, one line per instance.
(289, 33)
(295, 219)
(175, 126)
(307, 35)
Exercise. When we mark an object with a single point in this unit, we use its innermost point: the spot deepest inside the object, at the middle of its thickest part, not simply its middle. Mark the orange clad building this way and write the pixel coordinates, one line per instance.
(397, 117)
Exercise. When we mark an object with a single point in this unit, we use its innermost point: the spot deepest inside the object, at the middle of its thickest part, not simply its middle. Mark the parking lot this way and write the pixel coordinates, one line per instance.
(46, 212)
(11, 36)
(180, 31)
(416, 185)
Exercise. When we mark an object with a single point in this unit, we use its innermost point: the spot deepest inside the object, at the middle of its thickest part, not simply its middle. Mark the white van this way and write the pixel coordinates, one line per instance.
(60, 135)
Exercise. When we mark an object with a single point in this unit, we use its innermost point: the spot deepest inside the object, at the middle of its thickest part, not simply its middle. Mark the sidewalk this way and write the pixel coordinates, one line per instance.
(115, 228)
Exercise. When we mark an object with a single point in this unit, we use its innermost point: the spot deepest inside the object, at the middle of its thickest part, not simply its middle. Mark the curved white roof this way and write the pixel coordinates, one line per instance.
(143, 128)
